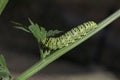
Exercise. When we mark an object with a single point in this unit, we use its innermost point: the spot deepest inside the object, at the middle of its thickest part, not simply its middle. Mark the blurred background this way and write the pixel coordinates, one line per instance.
(96, 58)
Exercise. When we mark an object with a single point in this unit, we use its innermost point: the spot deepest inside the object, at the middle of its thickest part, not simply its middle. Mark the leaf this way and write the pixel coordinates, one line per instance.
(42, 32)
(53, 33)
(22, 28)
(4, 72)
(19, 26)
(2, 60)
(38, 32)
(2, 5)
(16, 23)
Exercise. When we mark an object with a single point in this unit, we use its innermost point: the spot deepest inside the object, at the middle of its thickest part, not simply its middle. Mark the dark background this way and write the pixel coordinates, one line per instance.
(101, 49)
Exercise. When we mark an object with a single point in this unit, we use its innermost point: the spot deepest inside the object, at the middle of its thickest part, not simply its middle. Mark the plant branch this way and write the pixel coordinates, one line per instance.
(43, 63)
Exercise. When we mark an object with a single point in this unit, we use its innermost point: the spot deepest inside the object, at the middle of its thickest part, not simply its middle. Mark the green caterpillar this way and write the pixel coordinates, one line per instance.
(69, 37)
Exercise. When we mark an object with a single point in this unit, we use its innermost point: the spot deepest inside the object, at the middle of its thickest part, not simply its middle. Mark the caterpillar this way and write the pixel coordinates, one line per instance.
(69, 37)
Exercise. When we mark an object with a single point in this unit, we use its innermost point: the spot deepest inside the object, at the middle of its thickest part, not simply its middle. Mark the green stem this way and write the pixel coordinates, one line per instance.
(41, 64)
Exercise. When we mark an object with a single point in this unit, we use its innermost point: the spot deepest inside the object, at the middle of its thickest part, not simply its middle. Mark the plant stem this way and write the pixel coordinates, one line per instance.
(42, 63)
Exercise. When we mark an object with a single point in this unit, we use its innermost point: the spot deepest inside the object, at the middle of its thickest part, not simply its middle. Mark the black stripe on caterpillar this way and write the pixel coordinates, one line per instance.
(69, 37)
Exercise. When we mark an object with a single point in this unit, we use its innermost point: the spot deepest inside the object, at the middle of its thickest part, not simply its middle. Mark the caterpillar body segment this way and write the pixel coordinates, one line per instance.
(69, 37)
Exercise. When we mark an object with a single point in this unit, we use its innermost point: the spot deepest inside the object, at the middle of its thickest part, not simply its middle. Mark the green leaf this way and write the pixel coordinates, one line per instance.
(20, 26)
(38, 32)
(2, 5)
(2, 60)
(4, 72)
(53, 33)
(16, 23)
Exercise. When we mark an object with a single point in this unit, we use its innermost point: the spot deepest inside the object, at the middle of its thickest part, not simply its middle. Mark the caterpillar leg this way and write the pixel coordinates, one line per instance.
(82, 30)
(63, 40)
(53, 44)
(59, 44)
(75, 33)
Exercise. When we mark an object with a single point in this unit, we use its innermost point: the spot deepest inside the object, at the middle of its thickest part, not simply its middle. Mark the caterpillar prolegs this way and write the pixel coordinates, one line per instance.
(69, 37)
